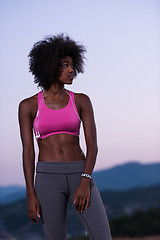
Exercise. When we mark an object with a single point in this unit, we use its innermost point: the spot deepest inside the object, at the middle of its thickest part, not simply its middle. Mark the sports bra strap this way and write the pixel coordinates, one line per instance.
(71, 95)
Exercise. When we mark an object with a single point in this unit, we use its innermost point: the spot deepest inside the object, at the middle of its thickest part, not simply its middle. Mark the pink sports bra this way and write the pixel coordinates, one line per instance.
(48, 121)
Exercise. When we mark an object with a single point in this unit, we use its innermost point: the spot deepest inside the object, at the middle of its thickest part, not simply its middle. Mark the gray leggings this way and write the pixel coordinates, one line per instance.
(55, 184)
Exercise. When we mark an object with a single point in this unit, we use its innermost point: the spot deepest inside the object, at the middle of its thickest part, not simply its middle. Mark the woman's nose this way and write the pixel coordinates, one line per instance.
(71, 69)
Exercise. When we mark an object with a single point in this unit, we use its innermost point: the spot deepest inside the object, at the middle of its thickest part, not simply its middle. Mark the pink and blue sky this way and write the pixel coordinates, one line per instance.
(121, 76)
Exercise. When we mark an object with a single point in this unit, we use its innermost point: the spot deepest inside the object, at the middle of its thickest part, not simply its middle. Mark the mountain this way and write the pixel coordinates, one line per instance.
(118, 204)
(122, 177)
(10, 194)
(128, 176)
(126, 202)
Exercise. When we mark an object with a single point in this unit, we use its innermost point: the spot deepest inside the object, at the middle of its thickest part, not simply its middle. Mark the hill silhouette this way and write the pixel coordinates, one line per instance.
(119, 205)
(127, 176)
(122, 177)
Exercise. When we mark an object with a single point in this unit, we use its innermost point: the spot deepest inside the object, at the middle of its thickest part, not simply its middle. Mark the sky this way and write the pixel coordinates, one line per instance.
(121, 74)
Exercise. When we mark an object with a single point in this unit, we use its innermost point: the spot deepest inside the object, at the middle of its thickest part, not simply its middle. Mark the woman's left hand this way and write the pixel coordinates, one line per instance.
(82, 195)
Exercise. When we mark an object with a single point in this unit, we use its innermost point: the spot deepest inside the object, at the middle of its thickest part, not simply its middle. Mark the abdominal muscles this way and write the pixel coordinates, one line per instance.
(60, 147)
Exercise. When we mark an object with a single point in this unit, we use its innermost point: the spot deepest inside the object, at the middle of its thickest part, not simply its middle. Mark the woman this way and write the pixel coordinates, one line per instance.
(63, 173)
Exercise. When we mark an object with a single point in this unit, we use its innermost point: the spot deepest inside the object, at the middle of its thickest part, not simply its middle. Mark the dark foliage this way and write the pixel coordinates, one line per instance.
(140, 224)
(141, 221)
(127, 202)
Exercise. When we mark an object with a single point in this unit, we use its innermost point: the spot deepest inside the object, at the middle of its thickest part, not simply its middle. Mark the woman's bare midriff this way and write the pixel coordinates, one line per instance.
(59, 148)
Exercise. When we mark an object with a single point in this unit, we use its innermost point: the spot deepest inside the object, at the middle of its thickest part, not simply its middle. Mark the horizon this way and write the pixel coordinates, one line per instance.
(95, 171)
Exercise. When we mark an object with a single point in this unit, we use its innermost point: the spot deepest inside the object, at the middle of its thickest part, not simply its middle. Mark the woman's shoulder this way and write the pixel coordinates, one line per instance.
(29, 103)
(82, 100)
(82, 97)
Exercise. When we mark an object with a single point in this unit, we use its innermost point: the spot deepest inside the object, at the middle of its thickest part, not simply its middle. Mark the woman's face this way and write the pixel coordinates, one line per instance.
(67, 72)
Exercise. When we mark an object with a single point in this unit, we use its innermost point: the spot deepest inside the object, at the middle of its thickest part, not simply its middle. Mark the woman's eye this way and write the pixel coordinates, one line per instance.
(65, 65)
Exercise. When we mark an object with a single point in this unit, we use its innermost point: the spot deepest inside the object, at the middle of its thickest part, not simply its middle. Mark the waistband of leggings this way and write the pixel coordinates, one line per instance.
(60, 167)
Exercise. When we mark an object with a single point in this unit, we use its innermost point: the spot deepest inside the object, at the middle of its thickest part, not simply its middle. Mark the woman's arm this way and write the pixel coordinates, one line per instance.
(25, 122)
(82, 195)
(89, 127)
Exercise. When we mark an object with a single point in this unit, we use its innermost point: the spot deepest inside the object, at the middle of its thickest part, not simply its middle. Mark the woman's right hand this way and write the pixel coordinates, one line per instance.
(33, 208)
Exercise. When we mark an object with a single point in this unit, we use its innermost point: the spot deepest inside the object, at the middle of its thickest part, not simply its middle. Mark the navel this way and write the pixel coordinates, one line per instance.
(61, 151)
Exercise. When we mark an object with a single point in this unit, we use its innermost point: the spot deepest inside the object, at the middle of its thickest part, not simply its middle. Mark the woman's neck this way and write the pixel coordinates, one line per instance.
(55, 90)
